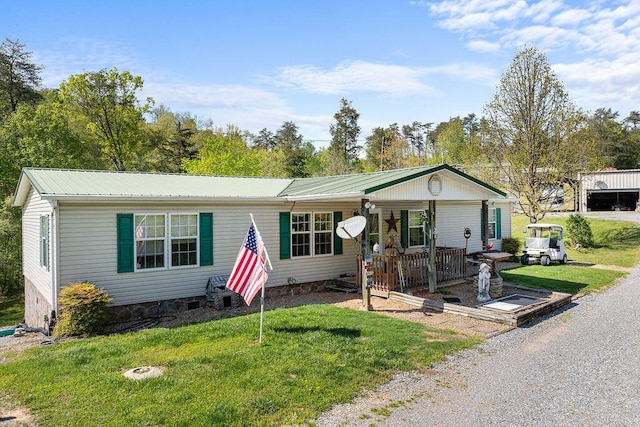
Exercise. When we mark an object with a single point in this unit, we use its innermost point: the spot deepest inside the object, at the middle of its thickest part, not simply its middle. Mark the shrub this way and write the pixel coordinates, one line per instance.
(83, 310)
(579, 231)
(511, 245)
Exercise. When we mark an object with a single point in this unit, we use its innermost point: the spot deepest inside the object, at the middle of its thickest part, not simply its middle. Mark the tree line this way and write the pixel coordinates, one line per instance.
(529, 137)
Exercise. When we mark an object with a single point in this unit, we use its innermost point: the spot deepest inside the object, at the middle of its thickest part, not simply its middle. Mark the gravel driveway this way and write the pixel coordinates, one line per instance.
(579, 367)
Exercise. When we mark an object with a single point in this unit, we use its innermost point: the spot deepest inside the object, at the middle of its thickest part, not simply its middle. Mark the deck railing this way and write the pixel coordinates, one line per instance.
(402, 272)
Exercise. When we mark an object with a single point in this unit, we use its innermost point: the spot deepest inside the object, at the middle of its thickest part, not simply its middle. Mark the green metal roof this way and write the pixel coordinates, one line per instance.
(366, 183)
(59, 183)
(89, 185)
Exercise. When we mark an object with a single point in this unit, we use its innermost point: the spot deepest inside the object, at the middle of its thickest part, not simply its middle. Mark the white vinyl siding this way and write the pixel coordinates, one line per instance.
(89, 250)
(33, 210)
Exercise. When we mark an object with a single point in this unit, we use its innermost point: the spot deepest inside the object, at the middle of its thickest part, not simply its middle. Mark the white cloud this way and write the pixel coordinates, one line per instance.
(597, 44)
(390, 80)
(483, 46)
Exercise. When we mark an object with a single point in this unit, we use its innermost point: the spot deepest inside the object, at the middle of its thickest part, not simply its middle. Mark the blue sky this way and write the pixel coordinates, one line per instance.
(258, 64)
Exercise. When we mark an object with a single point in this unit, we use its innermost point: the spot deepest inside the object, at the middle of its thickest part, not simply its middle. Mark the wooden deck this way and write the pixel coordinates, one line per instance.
(555, 300)
(408, 271)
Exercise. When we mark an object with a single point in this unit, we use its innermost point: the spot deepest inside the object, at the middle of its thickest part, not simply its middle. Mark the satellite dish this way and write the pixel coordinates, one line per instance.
(351, 227)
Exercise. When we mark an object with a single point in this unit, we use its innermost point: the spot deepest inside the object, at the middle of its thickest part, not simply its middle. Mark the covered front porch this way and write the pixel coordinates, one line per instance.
(403, 272)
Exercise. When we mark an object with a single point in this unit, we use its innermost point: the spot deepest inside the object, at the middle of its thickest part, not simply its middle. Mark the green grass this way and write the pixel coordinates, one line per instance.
(311, 358)
(562, 278)
(617, 243)
(11, 310)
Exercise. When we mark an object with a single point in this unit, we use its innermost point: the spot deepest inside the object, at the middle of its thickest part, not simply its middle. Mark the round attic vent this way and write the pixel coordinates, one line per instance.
(435, 185)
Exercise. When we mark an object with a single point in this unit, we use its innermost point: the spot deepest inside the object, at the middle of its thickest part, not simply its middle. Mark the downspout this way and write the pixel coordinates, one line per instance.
(55, 274)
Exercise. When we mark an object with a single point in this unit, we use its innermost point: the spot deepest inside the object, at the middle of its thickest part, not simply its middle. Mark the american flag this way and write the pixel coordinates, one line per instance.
(249, 272)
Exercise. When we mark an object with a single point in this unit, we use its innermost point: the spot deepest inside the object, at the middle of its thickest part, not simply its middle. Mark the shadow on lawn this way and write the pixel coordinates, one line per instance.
(565, 286)
(342, 332)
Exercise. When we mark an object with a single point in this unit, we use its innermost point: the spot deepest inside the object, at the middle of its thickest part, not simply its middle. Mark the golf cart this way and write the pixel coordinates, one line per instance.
(544, 242)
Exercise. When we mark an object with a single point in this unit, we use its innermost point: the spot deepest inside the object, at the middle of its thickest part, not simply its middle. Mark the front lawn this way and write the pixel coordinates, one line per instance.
(312, 358)
(571, 279)
(615, 242)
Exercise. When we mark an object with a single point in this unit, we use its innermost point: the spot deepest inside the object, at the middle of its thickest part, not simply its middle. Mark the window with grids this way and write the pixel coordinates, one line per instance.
(150, 241)
(166, 240)
(323, 233)
(44, 241)
(184, 239)
(300, 234)
(311, 234)
(492, 224)
(417, 236)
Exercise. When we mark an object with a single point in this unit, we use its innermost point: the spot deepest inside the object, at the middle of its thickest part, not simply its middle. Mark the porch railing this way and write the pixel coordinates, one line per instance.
(402, 272)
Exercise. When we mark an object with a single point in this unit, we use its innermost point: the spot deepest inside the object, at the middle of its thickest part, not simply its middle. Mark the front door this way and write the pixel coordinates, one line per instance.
(374, 227)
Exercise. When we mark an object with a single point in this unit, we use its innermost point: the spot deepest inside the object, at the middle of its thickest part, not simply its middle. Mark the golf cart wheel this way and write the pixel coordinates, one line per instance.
(524, 260)
(564, 259)
(545, 260)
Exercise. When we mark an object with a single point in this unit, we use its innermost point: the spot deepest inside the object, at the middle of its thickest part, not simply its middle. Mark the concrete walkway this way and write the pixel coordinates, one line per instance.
(580, 367)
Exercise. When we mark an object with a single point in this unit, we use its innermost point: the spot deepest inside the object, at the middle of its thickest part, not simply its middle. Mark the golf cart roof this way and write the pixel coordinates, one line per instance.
(543, 225)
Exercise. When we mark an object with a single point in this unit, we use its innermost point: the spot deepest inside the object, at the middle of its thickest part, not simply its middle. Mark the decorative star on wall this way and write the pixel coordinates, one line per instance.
(393, 223)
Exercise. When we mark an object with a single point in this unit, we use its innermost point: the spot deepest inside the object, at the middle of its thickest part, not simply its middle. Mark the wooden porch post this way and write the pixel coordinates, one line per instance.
(433, 275)
(366, 258)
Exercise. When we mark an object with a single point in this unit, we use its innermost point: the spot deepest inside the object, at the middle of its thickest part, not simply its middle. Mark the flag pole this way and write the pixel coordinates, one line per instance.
(270, 268)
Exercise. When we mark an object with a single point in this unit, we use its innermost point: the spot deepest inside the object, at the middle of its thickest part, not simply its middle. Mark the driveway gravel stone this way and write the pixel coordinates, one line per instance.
(576, 367)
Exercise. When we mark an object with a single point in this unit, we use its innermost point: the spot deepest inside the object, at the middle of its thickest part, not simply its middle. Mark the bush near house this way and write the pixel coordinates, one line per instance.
(511, 245)
(579, 231)
(83, 310)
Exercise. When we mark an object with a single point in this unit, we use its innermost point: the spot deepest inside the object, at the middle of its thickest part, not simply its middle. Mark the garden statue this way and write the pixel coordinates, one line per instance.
(484, 281)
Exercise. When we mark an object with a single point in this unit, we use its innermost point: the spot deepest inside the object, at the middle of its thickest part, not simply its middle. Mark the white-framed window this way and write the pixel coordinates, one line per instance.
(44, 241)
(373, 225)
(417, 236)
(184, 239)
(166, 240)
(323, 233)
(491, 228)
(311, 234)
(300, 234)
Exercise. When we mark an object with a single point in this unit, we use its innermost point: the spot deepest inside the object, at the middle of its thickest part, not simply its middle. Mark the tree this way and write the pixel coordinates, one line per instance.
(107, 103)
(19, 77)
(291, 152)
(386, 149)
(172, 139)
(344, 137)
(225, 153)
(416, 136)
(265, 140)
(533, 134)
(39, 136)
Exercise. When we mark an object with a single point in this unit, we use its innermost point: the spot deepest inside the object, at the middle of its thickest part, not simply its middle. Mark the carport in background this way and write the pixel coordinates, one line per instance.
(608, 200)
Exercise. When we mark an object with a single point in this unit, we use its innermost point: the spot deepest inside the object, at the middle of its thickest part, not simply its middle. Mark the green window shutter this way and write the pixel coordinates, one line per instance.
(206, 238)
(285, 235)
(125, 243)
(404, 229)
(498, 223)
(337, 241)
